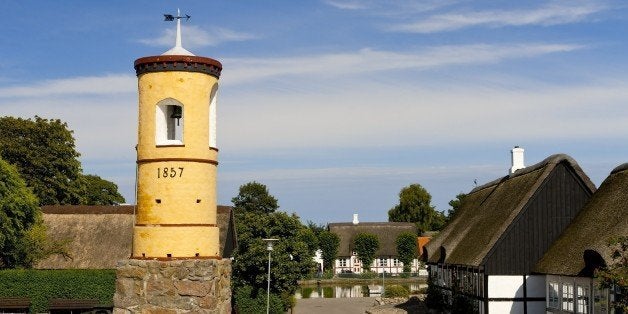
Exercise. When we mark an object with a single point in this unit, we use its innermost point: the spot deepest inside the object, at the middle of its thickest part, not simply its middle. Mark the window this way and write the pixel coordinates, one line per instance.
(567, 297)
(169, 121)
(383, 262)
(396, 262)
(342, 262)
(582, 305)
(212, 115)
(552, 295)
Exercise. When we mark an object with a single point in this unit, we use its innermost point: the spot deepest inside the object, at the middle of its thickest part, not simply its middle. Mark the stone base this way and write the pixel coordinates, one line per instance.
(178, 286)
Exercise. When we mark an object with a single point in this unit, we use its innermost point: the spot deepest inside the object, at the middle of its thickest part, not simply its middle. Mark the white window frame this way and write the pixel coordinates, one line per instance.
(553, 295)
(582, 299)
(213, 104)
(567, 297)
(163, 123)
(342, 262)
(383, 262)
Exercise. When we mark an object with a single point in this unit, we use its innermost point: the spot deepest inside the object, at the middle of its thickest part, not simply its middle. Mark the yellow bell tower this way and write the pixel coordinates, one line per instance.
(176, 156)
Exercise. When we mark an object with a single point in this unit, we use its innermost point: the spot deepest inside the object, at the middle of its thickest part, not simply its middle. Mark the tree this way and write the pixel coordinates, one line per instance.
(291, 255)
(100, 191)
(254, 196)
(366, 245)
(455, 205)
(328, 242)
(23, 239)
(406, 249)
(414, 206)
(615, 274)
(44, 153)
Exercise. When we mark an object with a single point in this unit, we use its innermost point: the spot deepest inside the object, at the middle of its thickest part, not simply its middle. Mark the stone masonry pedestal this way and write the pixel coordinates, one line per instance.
(177, 286)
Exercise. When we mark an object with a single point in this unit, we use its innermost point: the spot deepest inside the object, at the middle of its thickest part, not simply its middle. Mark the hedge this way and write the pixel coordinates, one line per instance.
(42, 285)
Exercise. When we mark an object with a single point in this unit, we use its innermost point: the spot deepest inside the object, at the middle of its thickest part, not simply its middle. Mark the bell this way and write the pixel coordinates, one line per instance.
(177, 113)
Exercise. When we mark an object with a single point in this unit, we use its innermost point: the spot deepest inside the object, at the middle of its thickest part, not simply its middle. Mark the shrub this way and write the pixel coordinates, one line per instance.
(248, 300)
(463, 305)
(396, 291)
(42, 285)
(435, 299)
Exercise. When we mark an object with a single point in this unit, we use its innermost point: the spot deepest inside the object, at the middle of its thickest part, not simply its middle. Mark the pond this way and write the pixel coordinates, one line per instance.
(347, 291)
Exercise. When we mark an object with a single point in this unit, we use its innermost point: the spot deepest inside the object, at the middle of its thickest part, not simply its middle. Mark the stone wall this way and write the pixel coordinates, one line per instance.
(178, 286)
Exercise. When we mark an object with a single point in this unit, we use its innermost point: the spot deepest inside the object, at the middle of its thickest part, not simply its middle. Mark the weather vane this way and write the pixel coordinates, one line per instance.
(170, 17)
(178, 48)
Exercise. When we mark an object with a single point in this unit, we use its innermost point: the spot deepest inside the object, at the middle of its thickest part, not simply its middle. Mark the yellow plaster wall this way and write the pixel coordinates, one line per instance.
(178, 241)
(193, 91)
(178, 195)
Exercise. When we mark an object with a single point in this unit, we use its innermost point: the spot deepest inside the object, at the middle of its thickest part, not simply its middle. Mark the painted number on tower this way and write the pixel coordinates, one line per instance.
(171, 172)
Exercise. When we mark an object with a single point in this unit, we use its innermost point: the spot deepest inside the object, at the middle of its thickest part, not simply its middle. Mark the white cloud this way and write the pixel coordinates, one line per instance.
(368, 60)
(346, 5)
(194, 37)
(551, 14)
(389, 8)
(368, 113)
(91, 85)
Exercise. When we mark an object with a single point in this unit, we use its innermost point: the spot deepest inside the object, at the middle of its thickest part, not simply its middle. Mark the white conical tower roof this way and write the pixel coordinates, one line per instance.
(178, 49)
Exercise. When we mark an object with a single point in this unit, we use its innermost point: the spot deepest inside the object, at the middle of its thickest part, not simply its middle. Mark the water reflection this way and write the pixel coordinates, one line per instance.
(344, 291)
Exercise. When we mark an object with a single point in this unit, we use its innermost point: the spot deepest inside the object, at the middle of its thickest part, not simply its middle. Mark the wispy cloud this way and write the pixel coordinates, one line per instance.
(91, 85)
(389, 8)
(346, 4)
(369, 60)
(194, 37)
(551, 14)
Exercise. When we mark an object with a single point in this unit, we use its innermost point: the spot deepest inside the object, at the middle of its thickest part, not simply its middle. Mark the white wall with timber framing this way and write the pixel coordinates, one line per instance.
(388, 264)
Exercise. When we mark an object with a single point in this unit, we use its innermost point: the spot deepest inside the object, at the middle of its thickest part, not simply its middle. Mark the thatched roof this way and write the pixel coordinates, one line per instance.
(603, 217)
(488, 210)
(99, 236)
(386, 232)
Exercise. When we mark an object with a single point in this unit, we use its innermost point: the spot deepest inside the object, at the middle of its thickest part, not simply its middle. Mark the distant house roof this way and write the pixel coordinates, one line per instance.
(490, 209)
(603, 217)
(99, 236)
(386, 232)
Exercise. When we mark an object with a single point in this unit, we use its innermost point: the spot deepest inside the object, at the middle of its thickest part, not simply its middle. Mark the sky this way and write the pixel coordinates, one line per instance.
(335, 105)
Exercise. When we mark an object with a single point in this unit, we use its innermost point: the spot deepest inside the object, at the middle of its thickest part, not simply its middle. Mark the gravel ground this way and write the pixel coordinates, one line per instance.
(358, 306)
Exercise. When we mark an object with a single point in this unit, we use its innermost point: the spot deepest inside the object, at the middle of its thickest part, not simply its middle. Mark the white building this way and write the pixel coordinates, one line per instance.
(386, 256)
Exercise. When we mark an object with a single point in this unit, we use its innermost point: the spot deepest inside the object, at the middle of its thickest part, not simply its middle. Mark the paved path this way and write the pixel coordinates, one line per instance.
(333, 306)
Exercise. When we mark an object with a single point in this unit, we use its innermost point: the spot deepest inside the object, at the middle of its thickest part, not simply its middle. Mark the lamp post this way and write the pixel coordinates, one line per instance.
(269, 248)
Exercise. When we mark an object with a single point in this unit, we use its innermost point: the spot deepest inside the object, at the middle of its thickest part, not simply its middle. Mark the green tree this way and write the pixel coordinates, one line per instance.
(328, 242)
(44, 153)
(406, 249)
(291, 255)
(615, 274)
(455, 205)
(366, 245)
(100, 191)
(254, 196)
(415, 206)
(19, 214)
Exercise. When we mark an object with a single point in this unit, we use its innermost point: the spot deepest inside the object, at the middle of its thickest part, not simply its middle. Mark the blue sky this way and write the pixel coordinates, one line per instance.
(336, 105)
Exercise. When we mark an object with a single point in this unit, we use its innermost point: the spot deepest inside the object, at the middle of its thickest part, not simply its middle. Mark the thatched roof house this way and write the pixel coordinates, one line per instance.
(583, 245)
(506, 225)
(386, 232)
(99, 236)
(502, 229)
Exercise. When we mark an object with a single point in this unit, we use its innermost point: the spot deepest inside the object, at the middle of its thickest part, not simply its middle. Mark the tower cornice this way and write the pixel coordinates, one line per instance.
(165, 63)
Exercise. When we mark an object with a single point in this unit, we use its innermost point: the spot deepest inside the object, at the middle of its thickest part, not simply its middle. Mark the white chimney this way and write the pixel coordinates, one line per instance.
(517, 159)
(355, 219)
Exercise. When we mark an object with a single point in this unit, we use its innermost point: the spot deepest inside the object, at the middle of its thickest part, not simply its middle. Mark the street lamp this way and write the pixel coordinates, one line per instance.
(269, 248)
